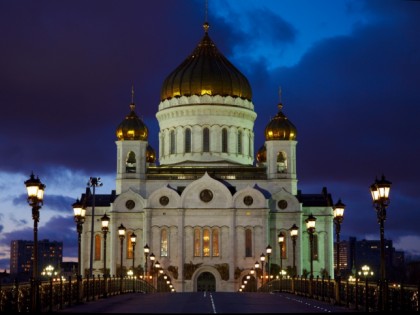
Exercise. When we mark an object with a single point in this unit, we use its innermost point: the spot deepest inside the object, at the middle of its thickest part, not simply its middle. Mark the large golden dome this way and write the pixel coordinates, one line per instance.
(206, 71)
(132, 127)
(280, 127)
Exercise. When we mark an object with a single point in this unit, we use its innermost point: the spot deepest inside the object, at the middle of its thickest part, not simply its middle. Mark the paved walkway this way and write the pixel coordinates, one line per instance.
(206, 302)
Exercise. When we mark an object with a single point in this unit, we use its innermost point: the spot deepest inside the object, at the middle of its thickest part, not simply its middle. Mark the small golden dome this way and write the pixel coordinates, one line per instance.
(280, 128)
(206, 71)
(132, 127)
(262, 154)
(150, 154)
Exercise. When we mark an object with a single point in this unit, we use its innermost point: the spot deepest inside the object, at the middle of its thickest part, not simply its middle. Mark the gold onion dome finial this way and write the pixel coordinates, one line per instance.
(150, 154)
(280, 127)
(132, 127)
(206, 27)
(262, 154)
(206, 72)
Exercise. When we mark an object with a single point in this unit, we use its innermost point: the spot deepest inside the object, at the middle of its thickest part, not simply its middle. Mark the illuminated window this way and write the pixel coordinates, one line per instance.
(188, 140)
(248, 243)
(206, 140)
(284, 249)
(215, 242)
(224, 140)
(239, 142)
(130, 162)
(197, 240)
(129, 246)
(172, 144)
(97, 247)
(206, 242)
(164, 243)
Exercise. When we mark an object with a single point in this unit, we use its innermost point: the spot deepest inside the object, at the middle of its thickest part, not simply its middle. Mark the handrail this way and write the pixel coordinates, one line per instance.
(357, 295)
(57, 295)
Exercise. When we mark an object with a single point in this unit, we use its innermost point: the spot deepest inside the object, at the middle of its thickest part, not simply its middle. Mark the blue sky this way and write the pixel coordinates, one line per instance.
(349, 73)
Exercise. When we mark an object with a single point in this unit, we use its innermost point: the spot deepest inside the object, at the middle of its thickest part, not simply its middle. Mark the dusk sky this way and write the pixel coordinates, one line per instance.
(349, 72)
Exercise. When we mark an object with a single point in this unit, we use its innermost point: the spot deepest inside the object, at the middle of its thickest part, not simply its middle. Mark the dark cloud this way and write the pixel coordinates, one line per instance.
(58, 228)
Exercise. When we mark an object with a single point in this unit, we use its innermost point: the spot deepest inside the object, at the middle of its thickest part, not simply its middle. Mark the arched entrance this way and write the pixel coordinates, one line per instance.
(206, 282)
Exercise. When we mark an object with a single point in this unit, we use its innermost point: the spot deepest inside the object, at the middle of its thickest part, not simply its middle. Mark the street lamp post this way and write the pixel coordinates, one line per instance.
(105, 226)
(156, 272)
(35, 199)
(281, 241)
(121, 234)
(152, 259)
(159, 283)
(262, 258)
(338, 219)
(294, 234)
(268, 251)
(310, 227)
(93, 182)
(380, 190)
(146, 251)
(257, 266)
(366, 273)
(252, 272)
(79, 218)
(133, 243)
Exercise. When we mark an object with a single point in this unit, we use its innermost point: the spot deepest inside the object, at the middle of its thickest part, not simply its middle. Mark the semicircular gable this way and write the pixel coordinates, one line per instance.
(129, 201)
(249, 198)
(284, 201)
(164, 197)
(206, 192)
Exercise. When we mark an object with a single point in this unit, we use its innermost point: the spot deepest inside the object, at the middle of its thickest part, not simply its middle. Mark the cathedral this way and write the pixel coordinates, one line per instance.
(208, 207)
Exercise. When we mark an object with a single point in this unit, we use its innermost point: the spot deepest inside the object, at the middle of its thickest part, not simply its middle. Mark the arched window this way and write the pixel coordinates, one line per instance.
(248, 243)
(130, 162)
(164, 243)
(206, 242)
(188, 140)
(129, 245)
(284, 249)
(215, 242)
(224, 140)
(281, 162)
(197, 241)
(97, 247)
(206, 140)
(172, 144)
(239, 142)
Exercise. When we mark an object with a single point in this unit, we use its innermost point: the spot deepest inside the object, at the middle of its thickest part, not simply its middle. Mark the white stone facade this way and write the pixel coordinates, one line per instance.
(206, 208)
(225, 213)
